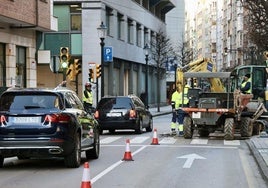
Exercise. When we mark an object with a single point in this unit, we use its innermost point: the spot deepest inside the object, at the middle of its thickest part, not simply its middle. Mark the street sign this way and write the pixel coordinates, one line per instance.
(108, 54)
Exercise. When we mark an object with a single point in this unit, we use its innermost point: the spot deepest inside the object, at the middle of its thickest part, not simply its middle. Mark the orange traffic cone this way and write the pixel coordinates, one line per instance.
(127, 155)
(86, 177)
(155, 139)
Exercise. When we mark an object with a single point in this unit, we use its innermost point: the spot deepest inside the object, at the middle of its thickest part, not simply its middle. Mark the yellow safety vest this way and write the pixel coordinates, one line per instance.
(177, 98)
(88, 99)
(244, 84)
(185, 94)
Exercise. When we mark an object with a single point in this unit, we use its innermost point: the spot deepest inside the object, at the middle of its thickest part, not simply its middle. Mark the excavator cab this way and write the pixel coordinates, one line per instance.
(258, 78)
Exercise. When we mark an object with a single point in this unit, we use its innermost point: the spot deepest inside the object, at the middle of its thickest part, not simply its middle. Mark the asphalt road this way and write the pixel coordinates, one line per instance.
(175, 162)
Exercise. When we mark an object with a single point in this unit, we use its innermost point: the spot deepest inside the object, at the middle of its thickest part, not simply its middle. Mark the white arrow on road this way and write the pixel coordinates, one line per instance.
(190, 159)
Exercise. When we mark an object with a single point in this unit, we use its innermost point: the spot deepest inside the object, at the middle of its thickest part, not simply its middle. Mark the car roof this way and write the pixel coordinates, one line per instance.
(120, 96)
(58, 89)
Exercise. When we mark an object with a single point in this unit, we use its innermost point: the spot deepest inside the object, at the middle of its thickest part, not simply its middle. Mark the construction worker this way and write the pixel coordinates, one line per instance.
(246, 85)
(178, 98)
(87, 97)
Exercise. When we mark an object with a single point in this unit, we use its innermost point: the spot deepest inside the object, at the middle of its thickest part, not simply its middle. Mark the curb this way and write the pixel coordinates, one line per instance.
(260, 161)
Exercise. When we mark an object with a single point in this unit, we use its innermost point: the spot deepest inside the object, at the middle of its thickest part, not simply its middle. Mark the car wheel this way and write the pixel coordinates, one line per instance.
(150, 126)
(139, 127)
(1, 161)
(95, 151)
(74, 159)
(111, 131)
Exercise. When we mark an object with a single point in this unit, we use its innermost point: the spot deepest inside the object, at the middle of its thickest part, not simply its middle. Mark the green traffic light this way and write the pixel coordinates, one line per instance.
(64, 65)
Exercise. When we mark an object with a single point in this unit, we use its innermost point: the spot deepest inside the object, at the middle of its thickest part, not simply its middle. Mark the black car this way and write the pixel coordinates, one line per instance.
(44, 123)
(123, 112)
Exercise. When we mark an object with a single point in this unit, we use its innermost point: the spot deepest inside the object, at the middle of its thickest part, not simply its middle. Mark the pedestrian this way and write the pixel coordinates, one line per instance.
(246, 85)
(178, 100)
(87, 97)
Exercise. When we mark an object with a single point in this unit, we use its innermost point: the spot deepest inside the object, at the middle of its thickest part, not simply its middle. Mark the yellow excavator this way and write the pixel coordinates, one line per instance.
(221, 108)
(200, 65)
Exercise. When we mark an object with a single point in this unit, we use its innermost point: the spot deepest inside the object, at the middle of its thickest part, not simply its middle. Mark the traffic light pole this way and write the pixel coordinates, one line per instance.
(97, 90)
(64, 77)
(102, 66)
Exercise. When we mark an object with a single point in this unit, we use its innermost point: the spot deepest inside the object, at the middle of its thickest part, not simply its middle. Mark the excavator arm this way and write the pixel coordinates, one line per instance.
(200, 65)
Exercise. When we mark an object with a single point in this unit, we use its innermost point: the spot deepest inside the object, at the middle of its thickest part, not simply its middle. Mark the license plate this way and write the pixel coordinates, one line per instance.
(196, 115)
(29, 120)
(114, 114)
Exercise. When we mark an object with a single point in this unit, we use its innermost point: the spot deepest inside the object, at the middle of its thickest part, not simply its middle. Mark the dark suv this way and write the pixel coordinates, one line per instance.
(46, 123)
(123, 112)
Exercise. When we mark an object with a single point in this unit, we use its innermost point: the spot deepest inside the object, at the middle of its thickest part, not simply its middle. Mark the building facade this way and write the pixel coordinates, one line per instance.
(130, 25)
(220, 33)
(21, 26)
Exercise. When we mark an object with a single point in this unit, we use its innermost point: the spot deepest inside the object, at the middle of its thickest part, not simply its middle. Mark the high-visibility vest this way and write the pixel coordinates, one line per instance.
(244, 84)
(87, 97)
(176, 98)
(185, 95)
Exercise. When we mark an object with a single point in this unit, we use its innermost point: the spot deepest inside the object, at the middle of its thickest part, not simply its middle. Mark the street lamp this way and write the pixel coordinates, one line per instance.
(102, 34)
(252, 50)
(146, 50)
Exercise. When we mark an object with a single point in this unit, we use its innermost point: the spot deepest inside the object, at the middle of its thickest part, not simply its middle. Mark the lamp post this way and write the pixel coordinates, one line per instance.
(175, 74)
(252, 50)
(102, 34)
(146, 53)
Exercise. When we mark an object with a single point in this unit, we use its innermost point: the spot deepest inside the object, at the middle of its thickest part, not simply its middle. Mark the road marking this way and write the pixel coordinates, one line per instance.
(168, 140)
(110, 168)
(199, 141)
(232, 142)
(138, 140)
(190, 159)
(109, 139)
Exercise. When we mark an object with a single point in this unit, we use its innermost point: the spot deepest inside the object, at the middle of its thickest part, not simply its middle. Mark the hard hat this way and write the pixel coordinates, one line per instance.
(88, 84)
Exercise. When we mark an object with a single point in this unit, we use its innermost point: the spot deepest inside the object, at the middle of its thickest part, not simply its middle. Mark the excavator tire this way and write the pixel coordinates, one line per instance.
(246, 129)
(229, 129)
(187, 127)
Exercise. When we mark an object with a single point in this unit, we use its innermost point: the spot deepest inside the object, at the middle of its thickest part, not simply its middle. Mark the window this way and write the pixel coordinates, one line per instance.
(138, 34)
(69, 17)
(109, 14)
(75, 13)
(129, 31)
(21, 66)
(120, 21)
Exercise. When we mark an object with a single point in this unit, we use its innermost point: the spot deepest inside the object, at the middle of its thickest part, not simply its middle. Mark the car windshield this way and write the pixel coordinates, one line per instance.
(10, 102)
(115, 103)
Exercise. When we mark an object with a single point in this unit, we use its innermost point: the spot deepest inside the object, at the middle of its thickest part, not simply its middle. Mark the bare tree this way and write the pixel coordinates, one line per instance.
(160, 49)
(184, 54)
(257, 22)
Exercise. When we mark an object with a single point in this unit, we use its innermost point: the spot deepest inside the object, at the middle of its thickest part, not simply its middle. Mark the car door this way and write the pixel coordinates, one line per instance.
(140, 107)
(83, 118)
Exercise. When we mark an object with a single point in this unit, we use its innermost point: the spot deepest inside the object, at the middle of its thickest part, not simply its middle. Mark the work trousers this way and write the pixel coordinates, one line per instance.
(177, 119)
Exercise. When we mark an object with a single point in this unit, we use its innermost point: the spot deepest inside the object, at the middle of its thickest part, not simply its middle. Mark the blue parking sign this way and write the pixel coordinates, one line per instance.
(108, 54)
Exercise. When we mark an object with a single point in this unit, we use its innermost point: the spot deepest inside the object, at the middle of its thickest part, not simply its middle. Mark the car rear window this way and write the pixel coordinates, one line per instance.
(12, 101)
(115, 103)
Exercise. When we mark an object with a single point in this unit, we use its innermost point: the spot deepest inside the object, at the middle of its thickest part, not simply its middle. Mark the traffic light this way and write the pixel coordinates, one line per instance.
(98, 71)
(91, 75)
(77, 66)
(64, 57)
(70, 71)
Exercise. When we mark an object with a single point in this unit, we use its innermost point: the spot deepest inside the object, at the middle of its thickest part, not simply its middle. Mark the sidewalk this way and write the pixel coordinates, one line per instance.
(258, 144)
(163, 110)
(259, 148)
